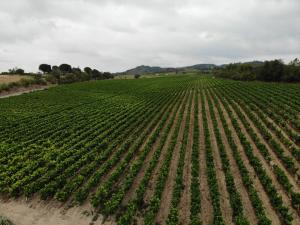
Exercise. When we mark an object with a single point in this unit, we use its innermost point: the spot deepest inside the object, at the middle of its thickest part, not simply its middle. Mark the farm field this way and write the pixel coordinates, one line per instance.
(171, 150)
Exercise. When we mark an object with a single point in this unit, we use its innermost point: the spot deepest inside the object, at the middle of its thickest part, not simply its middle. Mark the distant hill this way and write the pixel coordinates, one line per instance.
(156, 69)
(201, 67)
(148, 69)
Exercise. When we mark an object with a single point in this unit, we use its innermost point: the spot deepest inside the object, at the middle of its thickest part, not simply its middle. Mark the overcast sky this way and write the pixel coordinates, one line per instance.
(113, 35)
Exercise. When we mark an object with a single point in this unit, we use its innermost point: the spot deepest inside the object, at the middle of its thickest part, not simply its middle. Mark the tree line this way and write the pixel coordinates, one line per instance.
(14, 71)
(269, 71)
(65, 73)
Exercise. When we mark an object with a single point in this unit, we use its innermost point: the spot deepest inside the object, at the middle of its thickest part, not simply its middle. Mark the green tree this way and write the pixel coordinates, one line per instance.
(88, 70)
(45, 68)
(20, 71)
(65, 68)
(96, 74)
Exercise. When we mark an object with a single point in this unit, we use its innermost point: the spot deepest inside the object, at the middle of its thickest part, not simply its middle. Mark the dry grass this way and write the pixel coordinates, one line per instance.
(5, 79)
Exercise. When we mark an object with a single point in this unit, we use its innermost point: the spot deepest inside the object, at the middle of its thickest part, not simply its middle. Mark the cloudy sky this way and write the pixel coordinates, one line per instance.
(113, 35)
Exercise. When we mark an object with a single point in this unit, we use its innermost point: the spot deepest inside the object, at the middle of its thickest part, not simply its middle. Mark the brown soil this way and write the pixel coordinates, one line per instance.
(206, 204)
(224, 196)
(131, 193)
(279, 128)
(292, 127)
(275, 159)
(260, 190)
(107, 175)
(37, 212)
(185, 202)
(273, 135)
(248, 209)
(267, 167)
(156, 172)
(166, 198)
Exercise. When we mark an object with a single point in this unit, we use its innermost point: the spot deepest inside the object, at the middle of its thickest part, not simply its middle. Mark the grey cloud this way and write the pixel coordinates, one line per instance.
(118, 34)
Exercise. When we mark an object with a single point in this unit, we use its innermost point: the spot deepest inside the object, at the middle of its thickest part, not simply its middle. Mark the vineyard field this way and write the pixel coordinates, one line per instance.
(190, 149)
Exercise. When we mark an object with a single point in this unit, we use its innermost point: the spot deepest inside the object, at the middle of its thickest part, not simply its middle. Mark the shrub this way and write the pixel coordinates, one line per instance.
(50, 78)
(4, 221)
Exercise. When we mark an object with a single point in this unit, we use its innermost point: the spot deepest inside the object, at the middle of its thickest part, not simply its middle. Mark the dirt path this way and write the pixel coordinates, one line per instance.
(20, 91)
(248, 209)
(260, 190)
(185, 202)
(224, 196)
(292, 179)
(37, 212)
(206, 204)
(166, 198)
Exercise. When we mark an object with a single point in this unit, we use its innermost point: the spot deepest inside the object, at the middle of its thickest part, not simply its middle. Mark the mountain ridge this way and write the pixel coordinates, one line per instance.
(145, 69)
